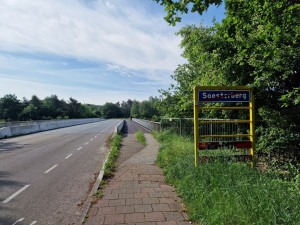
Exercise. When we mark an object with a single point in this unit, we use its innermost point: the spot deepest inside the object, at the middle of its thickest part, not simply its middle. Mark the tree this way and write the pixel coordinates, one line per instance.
(32, 109)
(86, 112)
(111, 110)
(135, 109)
(174, 7)
(74, 108)
(96, 109)
(10, 107)
(54, 108)
(257, 44)
(126, 107)
(30, 112)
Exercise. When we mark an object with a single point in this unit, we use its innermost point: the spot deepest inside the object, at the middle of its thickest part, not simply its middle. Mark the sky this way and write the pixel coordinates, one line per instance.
(95, 51)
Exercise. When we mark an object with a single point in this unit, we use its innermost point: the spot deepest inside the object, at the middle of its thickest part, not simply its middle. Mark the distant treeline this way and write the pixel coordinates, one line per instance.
(13, 109)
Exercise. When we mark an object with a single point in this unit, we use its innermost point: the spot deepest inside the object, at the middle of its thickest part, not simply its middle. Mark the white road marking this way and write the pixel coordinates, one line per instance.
(47, 171)
(68, 156)
(34, 222)
(96, 136)
(15, 194)
(79, 148)
(20, 220)
(86, 143)
(92, 139)
(106, 129)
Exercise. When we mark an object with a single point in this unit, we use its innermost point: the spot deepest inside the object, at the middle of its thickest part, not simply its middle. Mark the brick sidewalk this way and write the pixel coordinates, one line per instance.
(138, 194)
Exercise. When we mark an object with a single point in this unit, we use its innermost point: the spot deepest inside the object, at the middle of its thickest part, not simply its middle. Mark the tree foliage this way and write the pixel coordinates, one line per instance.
(257, 44)
(146, 109)
(12, 109)
(175, 8)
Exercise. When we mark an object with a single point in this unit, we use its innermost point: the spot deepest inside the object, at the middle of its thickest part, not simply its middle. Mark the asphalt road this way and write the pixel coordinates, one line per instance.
(46, 177)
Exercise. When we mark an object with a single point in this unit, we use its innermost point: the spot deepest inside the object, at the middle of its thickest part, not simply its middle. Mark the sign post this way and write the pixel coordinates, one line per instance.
(224, 134)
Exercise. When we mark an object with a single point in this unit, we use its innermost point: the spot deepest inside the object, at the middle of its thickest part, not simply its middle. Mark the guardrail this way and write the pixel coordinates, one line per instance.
(38, 122)
(150, 125)
(119, 127)
(21, 128)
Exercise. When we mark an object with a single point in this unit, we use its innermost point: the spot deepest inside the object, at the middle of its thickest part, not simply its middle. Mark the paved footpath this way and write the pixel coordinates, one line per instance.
(138, 194)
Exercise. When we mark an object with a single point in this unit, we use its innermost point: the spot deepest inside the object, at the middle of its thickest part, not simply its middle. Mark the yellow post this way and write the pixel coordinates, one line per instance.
(196, 125)
(252, 123)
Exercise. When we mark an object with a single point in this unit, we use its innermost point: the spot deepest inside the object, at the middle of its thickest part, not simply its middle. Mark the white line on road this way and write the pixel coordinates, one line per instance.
(34, 222)
(15, 194)
(86, 143)
(47, 171)
(106, 129)
(79, 148)
(20, 220)
(92, 139)
(68, 156)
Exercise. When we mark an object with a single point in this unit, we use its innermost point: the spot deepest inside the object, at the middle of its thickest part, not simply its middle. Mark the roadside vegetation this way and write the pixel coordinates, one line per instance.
(110, 165)
(257, 45)
(141, 137)
(13, 109)
(227, 192)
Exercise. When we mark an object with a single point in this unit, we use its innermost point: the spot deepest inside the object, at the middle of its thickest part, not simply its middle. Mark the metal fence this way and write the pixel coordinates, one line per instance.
(180, 126)
(287, 151)
(185, 127)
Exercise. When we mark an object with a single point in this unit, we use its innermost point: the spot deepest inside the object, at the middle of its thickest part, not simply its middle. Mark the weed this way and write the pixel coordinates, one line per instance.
(140, 137)
(110, 165)
(98, 195)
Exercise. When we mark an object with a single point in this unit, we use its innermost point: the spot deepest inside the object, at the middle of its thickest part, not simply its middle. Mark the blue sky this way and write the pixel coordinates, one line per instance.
(95, 51)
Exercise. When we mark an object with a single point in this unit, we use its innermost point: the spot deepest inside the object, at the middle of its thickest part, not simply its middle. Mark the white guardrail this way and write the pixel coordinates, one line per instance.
(150, 125)
(119, 127)
(29, 127)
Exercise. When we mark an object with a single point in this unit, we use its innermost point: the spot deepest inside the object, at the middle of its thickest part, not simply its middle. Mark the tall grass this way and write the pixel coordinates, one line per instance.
(226, 193)
(141, 137)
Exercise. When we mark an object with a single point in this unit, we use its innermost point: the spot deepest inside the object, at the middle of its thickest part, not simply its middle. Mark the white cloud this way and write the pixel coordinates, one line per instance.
(119, 32)
(95, 51)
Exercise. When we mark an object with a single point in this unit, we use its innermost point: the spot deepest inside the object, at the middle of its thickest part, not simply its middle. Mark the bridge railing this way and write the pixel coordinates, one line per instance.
(28, 127)
(38, 122)
(150, 125)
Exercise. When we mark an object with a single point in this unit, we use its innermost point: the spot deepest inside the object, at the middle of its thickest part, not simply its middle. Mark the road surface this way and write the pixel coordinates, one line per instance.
(46, 177)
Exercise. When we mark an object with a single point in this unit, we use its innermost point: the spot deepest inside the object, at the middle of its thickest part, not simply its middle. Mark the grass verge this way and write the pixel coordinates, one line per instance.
(140, 137)
(110, 166)
(226, 193)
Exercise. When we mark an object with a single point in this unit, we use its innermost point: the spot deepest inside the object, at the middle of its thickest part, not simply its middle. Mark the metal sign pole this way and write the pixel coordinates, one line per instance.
(196, 125)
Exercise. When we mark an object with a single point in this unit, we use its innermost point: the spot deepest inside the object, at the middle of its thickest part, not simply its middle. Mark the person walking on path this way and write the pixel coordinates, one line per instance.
(138, 193)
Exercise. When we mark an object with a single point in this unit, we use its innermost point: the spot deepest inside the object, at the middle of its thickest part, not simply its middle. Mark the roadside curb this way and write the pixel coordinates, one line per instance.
(86, 206)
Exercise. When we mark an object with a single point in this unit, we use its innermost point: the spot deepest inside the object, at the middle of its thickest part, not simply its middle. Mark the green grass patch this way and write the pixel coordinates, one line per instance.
(226, 192)
(140, 137)
(110, 166)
